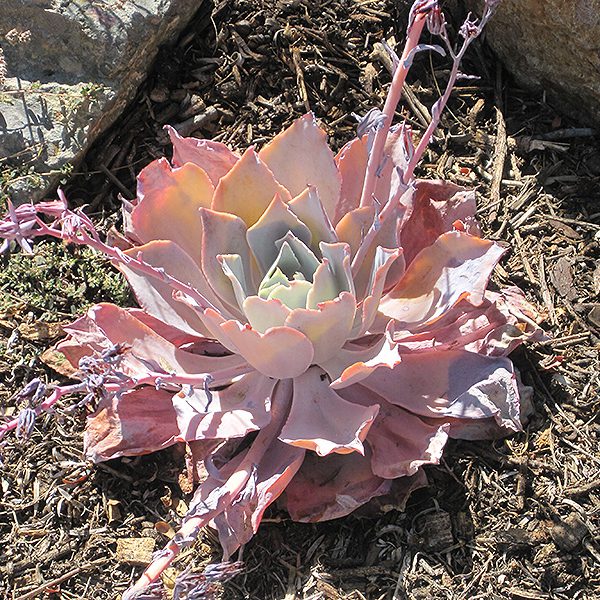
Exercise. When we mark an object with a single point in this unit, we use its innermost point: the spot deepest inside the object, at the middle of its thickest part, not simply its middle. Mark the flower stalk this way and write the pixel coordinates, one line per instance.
(417, 22)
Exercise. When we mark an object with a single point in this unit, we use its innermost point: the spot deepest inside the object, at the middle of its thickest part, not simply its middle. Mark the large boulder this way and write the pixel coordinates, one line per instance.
(552, 45)
(82, 65)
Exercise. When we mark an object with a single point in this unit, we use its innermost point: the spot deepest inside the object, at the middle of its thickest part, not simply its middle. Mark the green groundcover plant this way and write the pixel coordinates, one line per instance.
(314, 327)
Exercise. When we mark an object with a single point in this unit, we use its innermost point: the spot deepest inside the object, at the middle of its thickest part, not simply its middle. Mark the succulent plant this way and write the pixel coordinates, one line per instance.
(313, 326)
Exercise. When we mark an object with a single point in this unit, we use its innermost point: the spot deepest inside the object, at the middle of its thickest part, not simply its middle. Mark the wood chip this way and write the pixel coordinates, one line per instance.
(596, 278)
(113, 512)
(436, 531)
(165, 528)
(136, 552)
(569, 534)
(561, 276)
(594, 315)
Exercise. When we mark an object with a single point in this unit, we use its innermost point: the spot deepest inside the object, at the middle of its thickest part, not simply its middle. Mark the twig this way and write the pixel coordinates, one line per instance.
(500, 152)
(297, 61)
(419, 109)
(124, 190)
(44, 586)
(571, 132)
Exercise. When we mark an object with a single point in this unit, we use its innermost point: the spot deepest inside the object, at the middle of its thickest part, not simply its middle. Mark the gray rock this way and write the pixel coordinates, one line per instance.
(552, 45)
(83, 64)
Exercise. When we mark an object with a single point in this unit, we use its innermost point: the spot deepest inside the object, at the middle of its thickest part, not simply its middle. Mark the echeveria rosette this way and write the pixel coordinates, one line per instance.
(370, 367)
(313, 327)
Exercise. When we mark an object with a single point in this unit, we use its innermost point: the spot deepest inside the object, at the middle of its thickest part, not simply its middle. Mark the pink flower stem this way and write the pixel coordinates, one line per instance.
(215, 379)
(391, 102)
(436, 114)
(231, 488)
(367, 242)
(47, 405)
(118, 256)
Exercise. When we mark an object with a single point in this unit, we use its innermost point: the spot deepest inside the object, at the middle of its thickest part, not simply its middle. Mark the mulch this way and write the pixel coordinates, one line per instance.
(515, 518)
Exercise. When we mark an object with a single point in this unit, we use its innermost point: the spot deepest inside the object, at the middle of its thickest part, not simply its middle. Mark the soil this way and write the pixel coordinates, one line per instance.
(515, 518)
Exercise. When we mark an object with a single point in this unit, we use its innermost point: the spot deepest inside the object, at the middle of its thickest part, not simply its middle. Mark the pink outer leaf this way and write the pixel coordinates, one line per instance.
(452, 384)
(241, 519)
(401, 442)
(176, 336)
(168, 205)
(137, 422)
(490, 329)
(248, 189)
(456, 267)
(384, 259)
(215, 158)
(224, 234)
(73, 351)
(232, 412)
(328, 327)
(353, 228)
(358, 351)
(436, 205)
(474, 429)
(300, 156)
(333, 486)
(491, 428)
(281, 352)
(314, 421)
(352, 163)
(387, 356)
(156, 297)
(107, 324)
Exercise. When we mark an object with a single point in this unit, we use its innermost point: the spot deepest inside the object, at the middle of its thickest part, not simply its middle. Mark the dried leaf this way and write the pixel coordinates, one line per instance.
(41, 331)
(561, 277)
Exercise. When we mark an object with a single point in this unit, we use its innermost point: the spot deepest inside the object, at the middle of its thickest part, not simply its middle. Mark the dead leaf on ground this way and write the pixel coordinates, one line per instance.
(40, 331)
(57, 361)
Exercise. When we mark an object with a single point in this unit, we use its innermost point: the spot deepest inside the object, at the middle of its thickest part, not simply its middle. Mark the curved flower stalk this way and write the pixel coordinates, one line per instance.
(313, 326)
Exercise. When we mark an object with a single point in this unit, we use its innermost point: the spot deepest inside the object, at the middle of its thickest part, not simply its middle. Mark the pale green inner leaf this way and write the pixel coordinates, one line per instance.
(293, 295)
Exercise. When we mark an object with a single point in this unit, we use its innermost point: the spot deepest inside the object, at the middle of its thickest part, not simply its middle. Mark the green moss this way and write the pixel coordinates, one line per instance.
(60, 281)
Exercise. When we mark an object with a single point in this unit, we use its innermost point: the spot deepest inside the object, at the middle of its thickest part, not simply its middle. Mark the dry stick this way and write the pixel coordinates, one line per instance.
(126, 192)
(500, 153)
(419, 109)
(297, 62)
(546, 294)
(41, 588)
